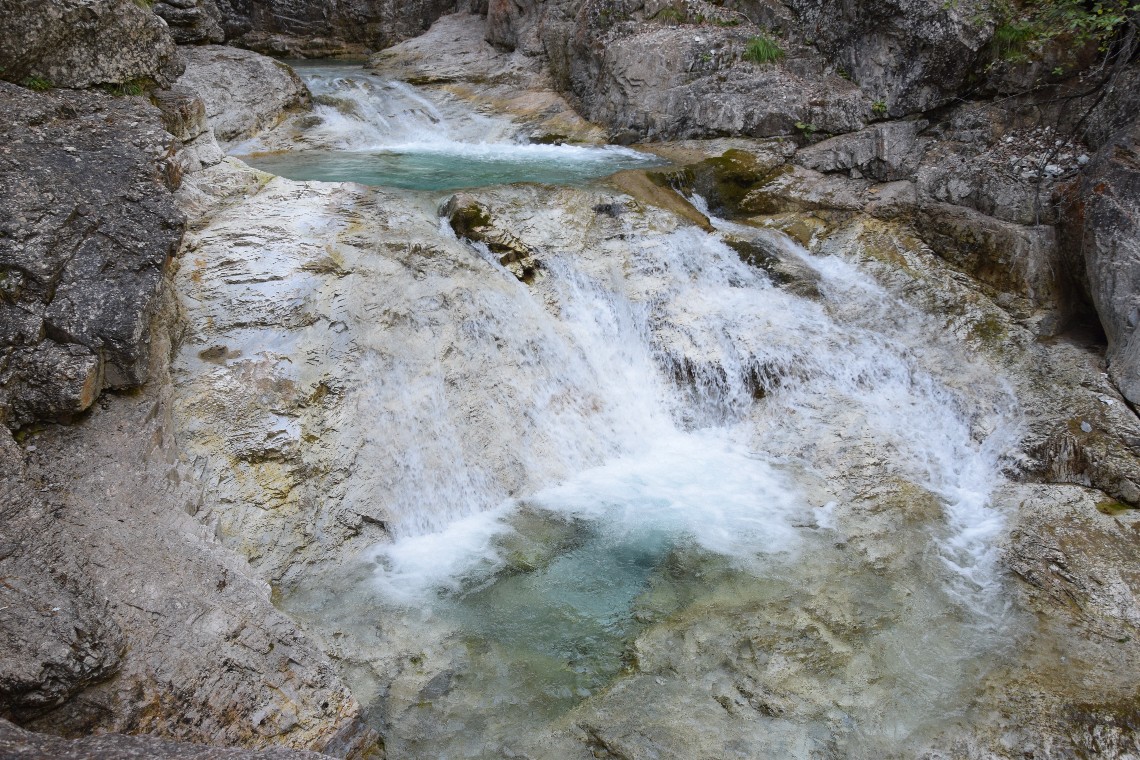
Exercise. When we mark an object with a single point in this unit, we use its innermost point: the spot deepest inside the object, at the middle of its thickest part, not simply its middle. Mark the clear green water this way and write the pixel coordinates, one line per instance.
(453, 166)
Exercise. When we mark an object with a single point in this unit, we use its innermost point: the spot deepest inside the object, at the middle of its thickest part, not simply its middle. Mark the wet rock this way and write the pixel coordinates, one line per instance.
(785, 271)
(1103, 221)
(87, 225)
(1023, 261)
(81, 43)
(453, 55)
(244, 92)
(725, 180)
(472, 221)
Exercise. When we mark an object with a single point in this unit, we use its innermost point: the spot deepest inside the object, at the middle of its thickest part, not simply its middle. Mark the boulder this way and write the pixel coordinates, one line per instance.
(472, 220)
(87, 225)
(885, 152)
(1104, 222)
(81, 43)
(244, 92)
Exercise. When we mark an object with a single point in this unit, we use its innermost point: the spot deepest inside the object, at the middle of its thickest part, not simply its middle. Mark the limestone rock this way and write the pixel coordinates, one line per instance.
(914, 55)
(244, 92)
(666, 83)
(1106, 221)
(1023, 261)
(182, 640)
(885, 152)
(453, 56)
(80, 43)
(87, 225)
(192, 22)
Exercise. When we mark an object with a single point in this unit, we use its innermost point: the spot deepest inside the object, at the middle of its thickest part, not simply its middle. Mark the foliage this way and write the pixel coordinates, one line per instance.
(670, 16)
(879, 107)
(806, 129)
(763, 49)
(1024, 27)
(39, 84)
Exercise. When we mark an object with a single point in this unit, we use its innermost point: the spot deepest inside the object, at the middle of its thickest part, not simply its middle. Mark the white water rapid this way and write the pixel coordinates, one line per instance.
(650, 473)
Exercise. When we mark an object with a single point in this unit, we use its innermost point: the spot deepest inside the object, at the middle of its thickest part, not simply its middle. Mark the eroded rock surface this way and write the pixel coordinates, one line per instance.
(1107, 227)
(180, 641)
(87, 226)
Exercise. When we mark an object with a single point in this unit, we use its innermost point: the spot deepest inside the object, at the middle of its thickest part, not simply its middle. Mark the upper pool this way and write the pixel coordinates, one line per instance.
(364, 128)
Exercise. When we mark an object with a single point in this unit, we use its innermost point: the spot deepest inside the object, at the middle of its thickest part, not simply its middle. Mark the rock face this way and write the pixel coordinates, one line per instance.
(312, 28)
(80, 43)
(244, 92)
(913, 55)
(87, 225)
(1107, 227)
(665, 71)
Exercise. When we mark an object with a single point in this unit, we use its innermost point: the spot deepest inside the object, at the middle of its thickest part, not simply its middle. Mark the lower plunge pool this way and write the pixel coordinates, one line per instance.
(685, 597)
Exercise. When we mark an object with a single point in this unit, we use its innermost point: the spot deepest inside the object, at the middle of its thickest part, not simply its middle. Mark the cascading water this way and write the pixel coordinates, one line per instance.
(705, 456)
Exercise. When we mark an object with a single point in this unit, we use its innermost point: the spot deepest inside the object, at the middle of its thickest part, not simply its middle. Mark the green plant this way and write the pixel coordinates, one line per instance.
(670, 16)
(763, 49)
(133, 87)
(706, 57)
(879, 107)
(806, 129)
(39, 84)
(727, 22)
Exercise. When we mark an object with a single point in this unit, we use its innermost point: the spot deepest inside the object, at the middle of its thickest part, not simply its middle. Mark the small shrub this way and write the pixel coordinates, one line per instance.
(39, 84)
(806, 129)
(670, 16)
(879, 107)
(763, 49)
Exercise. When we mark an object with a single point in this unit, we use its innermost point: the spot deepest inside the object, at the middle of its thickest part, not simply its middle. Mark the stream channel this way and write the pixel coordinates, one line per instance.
(769, 529)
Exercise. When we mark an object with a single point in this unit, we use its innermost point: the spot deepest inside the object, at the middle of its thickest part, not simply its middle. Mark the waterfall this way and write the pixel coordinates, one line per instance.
(653, 421)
